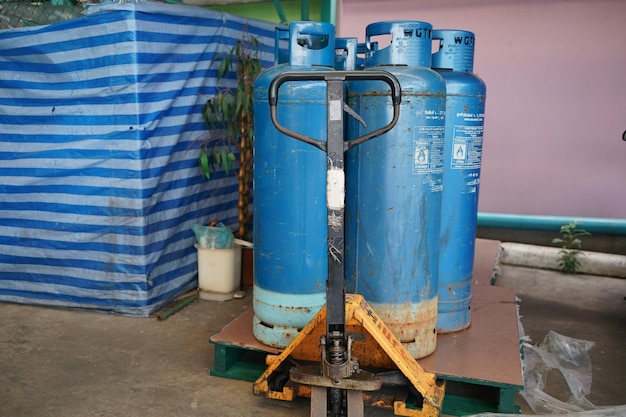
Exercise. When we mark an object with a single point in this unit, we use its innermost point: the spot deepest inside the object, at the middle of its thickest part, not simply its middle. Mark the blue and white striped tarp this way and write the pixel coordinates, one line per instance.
(99, 181)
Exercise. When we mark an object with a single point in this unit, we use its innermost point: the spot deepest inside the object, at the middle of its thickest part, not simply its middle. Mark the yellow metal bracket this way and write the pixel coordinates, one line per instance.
(381, 350)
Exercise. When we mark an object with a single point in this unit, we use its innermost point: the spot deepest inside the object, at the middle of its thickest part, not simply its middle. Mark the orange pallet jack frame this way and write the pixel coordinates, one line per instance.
(383, 351)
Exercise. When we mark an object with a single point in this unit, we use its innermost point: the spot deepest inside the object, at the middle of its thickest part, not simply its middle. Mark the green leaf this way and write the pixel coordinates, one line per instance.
(245, 102)
(234, 134)
(256, 67)
(217, 157)
(224, 159)
(209, 115)
(230, 158)
(240, 100)
(223, 68)
(204, 164)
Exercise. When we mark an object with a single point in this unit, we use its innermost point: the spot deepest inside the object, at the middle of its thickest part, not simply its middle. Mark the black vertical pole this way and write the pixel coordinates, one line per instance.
(336, 337)
(335, 197)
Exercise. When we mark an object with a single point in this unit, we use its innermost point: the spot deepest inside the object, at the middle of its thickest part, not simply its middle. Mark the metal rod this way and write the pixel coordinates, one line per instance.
(179, 304)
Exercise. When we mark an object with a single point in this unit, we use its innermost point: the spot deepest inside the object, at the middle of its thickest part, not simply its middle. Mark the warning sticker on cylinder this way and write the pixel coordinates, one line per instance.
(428, 149)
(467, 147)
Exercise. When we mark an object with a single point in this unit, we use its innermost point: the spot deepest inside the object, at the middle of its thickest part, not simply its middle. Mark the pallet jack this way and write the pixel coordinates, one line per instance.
(346, 328)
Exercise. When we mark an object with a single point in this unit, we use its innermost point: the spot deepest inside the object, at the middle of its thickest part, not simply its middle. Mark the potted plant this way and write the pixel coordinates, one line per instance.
(229, 118)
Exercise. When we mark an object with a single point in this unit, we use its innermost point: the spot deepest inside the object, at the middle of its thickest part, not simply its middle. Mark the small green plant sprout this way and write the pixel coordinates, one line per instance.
(570, 247)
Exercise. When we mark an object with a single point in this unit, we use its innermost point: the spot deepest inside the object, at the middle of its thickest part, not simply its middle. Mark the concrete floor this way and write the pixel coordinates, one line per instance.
(57, 362)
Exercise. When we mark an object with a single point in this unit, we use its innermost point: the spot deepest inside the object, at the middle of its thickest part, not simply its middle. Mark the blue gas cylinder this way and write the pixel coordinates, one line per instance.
(394, 186)
(290, 232)
(465, 111)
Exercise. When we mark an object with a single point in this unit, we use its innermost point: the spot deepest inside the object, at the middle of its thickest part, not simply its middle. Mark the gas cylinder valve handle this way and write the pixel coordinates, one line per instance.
(279, 80)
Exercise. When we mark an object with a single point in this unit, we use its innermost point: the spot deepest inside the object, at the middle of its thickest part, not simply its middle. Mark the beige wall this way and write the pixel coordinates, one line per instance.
(556, 96)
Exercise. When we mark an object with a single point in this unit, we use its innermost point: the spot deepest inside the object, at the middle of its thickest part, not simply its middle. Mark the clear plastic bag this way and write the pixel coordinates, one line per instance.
(609, 411)
(566, 355)
(571, 358)
(214, 237)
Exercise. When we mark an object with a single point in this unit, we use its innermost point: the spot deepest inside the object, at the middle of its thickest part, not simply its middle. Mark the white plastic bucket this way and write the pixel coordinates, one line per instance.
(219, 273)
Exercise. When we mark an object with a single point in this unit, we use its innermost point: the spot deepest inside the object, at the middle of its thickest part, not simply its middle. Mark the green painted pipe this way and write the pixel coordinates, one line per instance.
(595, 225)
(280, 11)
(329, 11)
(304, 10)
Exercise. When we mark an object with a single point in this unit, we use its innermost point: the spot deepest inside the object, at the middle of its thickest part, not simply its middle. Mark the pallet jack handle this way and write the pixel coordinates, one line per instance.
(334, 111)
(335, 146)
(337, 362)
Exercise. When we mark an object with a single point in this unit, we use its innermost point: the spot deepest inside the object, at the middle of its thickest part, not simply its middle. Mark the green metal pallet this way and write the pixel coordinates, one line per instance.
(236, 362)
(463, 397)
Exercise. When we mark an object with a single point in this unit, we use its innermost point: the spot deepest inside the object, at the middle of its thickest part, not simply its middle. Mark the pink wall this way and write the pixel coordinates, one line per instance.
(556, 97)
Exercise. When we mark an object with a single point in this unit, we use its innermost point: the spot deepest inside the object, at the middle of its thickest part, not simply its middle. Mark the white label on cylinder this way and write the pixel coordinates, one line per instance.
(428, 149)
(335, 107)
(335, 189)
(467, 147)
